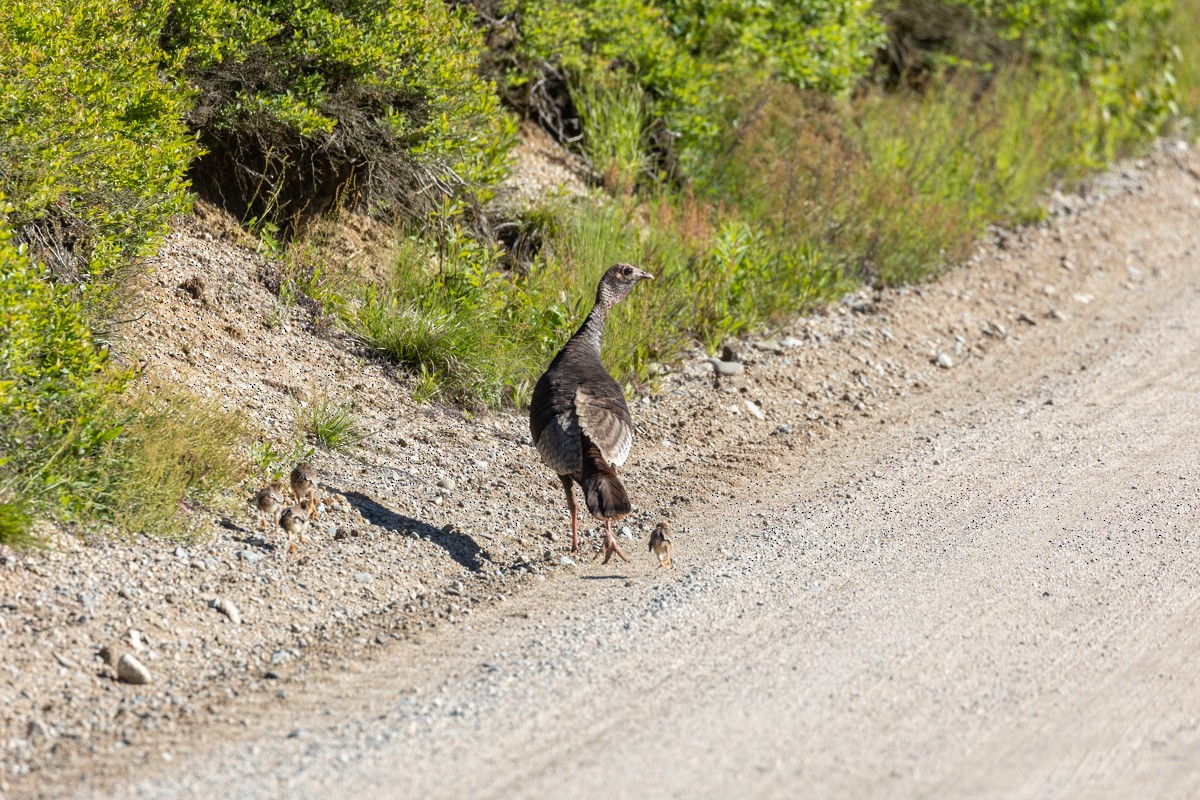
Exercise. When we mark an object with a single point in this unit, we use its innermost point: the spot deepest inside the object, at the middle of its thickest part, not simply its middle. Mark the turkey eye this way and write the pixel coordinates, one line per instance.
(627, 271)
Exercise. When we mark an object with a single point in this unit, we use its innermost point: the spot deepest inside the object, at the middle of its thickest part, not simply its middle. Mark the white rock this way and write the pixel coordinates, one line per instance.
(755, 411)
(227, 608)
(944, 361)
(130, 670)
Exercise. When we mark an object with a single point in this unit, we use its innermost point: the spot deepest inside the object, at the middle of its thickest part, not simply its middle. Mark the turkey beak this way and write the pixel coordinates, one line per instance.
(643, 276)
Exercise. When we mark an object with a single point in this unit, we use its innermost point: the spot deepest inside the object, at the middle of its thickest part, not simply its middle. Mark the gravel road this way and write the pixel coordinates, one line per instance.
(993, 594)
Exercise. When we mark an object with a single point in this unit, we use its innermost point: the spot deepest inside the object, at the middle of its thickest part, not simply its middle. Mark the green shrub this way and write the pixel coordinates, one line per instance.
(93, 148)
(73, 446)
(55, 386)
(694, 59)
(305, 104)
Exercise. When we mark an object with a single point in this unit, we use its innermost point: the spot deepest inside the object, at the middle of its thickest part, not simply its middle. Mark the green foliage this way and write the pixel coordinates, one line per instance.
(93, 148)
(1186, 48)
(305, 104)
(614, 121)
(1117, 49)
(54, 385)
(71, 446)
(332, 424)
(15, 524)
(270, 463)
(455, 326)
(176, 451)
(693, 59)
(826, 45)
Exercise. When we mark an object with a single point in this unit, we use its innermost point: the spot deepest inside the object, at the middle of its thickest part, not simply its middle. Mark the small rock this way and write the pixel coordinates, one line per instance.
(783, 430)
(727, 368)
(65, 661)
(790, 342)
(944, 361)
(89, 600)
(363, 577)
(755, 411)
(626, 532)
(227, 608)
(280, 656)
(447, 483)
(181, 552)
(130, 670)
(566, 561)
(37, 729)
(249, 556)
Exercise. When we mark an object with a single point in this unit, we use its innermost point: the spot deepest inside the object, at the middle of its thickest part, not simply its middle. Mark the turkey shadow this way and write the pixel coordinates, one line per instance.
(459, 546)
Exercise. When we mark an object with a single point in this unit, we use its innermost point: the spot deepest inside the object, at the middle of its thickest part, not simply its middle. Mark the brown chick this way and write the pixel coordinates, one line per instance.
(304, 484)
(294, 522)
(269, 501)
(660, 545)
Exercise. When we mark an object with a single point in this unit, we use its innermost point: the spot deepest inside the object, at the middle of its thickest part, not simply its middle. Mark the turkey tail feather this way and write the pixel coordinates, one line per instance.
(602, 489)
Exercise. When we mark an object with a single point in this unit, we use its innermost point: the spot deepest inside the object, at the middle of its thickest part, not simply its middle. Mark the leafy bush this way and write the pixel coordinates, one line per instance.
(304, 104)
(1118, 51)
(693, 58)
(54, 386)
(72, 446)
(93, 148)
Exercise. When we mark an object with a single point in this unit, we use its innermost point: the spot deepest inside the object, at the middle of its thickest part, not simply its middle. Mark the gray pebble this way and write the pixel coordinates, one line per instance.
(363, 577)
(726, 367)
(89, 600)
(249, 556)
(790, 342)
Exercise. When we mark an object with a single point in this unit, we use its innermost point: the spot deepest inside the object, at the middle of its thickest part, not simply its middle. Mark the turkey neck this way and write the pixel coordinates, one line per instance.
(591, 332)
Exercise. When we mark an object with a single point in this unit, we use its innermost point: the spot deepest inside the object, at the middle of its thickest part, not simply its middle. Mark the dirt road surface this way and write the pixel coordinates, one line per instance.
(993, 595)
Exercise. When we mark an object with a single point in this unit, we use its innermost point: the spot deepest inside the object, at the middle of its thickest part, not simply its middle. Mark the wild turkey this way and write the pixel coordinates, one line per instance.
(579, 419)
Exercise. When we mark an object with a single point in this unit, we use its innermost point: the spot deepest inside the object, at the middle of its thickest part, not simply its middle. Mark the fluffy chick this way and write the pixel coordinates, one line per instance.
(660, 545)
(269, 501)
(294, 522)
(304, 485)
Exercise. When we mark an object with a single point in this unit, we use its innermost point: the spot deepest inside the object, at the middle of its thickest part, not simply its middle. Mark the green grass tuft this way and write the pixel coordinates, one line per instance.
(332, 424)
